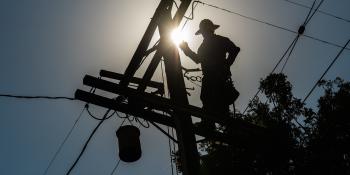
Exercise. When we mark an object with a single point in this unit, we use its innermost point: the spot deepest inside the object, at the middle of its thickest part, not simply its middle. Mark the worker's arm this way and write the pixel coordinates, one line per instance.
(188, 52)
(233, 51)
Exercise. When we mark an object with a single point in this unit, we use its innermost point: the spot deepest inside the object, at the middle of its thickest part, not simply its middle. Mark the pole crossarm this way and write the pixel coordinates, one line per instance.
(112, 104)
(117, 76)
(238, 137)
(164, 104)
(244, 133)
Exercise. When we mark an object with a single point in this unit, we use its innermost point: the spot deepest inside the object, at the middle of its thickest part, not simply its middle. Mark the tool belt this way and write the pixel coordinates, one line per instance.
(231, 93)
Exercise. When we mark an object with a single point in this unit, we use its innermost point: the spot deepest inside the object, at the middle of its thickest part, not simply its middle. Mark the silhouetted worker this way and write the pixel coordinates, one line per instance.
(216, 54)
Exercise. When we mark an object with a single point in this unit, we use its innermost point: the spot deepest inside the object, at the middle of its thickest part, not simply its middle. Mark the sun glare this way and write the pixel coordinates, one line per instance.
(177, 36)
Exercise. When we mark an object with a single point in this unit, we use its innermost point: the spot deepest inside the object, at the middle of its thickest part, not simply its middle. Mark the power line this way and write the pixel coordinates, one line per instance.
(170, 154)
(273, 70)
(325, 42)
(87, 142)
(319, 11)
(94, 117)
(247, 17)
(37, 97)
(292, 45)
(115, 167)
(311, 9)
(291, 50)
(192, 14)
(270, 24)
(308, 15)
(302, 29)
(64, 141)
(325, 72)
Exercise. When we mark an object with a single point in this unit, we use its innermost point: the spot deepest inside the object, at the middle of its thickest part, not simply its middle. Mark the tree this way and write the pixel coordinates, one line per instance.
(302, 141)
(329, 144)
(279, 115)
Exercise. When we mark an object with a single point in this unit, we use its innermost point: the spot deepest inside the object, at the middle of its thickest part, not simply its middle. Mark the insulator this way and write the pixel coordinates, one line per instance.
(301, 30)
(129, 143)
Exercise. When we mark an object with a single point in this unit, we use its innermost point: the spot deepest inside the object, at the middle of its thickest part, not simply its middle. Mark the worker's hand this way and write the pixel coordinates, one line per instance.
(184, 46)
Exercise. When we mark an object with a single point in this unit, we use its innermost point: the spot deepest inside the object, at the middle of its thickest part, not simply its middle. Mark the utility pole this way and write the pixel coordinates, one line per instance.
(182, 122)
(140, 103)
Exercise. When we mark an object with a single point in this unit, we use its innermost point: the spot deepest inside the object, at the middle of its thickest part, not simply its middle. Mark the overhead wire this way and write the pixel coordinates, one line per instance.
(247, 17)
(37, 97)
(301, 30)
(64, 141)
(147, 125)
(96, 118)
(291, 47)
(314, 11)
(325, 72)
(319, 11)
(115, 167)
(273, 70)
(310, 11)
(270, 24)
(106, 117)
(192, 7)
(87, 142)
(290, 52)
(71, 129)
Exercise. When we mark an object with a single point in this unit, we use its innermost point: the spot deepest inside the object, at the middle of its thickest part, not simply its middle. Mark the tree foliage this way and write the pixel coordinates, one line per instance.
(303, 141)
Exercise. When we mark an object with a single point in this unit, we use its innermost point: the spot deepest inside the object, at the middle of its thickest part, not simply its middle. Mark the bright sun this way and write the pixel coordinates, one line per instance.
(177, 36)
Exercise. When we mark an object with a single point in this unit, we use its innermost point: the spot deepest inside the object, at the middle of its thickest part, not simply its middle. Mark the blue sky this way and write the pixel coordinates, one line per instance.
(48, 46)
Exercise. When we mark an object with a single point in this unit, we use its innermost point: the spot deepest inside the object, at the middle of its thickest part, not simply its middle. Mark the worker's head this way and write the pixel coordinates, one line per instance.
(206, 28)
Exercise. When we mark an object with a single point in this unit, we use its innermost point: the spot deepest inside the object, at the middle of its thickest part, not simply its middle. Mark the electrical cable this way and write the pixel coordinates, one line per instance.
(324, 41)
(292, 45)
(193, 7)
(153, 48)
(308, 15)
(325, 72)
(96, 118)
(64, 141)
(314, 11)
(126, 116)
(174, 148)
(170, 151)
(147, 125)
(302, 29)
(270, 24)
(319, 11)
(187, 19)
(130, 119)
(290, 52)
(192, 13)
(87, 142)
(37, 97)
(115, 167)
(247, 17)
(273, 70)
